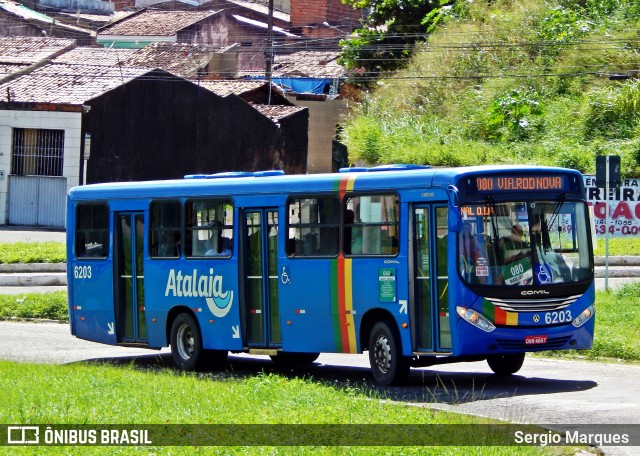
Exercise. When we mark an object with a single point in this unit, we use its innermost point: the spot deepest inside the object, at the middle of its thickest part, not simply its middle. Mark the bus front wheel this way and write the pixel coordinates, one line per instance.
(388, 365)
(186, 343)
(506, 364)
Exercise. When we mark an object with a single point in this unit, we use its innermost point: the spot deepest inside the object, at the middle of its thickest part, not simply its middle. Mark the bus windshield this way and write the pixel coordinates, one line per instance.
(518, 244)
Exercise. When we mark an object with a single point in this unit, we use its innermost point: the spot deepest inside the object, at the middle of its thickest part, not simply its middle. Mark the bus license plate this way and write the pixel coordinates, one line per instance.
(535, 340)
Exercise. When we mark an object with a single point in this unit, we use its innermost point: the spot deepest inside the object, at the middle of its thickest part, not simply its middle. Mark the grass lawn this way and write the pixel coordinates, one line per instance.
(104, 394)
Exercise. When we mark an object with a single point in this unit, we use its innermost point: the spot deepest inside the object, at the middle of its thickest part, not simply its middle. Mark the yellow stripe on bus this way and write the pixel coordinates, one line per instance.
(348, 304)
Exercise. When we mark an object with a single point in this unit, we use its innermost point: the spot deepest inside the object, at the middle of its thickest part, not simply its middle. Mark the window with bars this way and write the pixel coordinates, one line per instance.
(37, 152)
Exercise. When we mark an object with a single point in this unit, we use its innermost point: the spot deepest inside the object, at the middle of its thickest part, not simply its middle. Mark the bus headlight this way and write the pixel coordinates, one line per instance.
(584, 316)
(475, 319)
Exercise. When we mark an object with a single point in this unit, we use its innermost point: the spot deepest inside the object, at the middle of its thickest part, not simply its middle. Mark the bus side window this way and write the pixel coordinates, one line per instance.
(371, 225)
(313, 227)
(92, 231)
(165, 229)
(209, 228)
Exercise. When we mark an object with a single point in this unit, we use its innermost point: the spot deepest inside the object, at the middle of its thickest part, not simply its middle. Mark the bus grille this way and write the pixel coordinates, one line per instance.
(533, 305)
(552, 343)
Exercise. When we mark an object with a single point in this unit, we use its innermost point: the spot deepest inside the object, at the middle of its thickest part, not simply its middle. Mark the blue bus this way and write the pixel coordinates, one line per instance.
(416, 265)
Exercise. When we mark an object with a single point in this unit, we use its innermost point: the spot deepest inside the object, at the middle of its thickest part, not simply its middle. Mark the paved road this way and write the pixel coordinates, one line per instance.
(545, 391)
(9, 234)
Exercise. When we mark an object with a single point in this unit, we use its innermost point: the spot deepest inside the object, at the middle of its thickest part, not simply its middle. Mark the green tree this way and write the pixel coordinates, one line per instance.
(387, 36)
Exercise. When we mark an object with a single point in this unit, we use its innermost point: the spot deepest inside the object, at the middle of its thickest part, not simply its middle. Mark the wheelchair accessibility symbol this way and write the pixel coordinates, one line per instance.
(284, 277)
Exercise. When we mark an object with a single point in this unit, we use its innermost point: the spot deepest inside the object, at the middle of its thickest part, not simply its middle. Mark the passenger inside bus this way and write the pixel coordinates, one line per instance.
(169, 247)
(218, 244)
(352, 234)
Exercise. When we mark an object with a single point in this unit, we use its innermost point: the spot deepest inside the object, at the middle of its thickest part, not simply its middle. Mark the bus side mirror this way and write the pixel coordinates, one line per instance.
(455, 219)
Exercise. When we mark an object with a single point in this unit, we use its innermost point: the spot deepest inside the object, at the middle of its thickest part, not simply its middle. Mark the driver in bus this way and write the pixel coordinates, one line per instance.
(550, 266)
(513, 247)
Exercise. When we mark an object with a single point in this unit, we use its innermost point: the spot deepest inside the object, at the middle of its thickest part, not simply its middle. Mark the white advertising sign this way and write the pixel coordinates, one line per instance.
(624, 207)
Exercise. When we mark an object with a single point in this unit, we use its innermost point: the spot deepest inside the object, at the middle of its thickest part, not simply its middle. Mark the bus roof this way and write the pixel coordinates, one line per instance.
(243, 183)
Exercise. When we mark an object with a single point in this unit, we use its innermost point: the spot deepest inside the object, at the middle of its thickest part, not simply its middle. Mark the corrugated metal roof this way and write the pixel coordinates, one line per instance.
(261, 8)
(67, 84)
(155, 23)
(27, 14)
(262, 25)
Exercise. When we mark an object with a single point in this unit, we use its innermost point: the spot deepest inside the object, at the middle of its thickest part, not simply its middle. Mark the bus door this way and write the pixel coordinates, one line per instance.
(432, 330)
(260, 255)
(129, 302)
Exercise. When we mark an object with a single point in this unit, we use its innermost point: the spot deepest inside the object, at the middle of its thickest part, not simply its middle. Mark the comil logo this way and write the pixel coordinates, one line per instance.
(23, 435)
(534, 292)
(196, 285)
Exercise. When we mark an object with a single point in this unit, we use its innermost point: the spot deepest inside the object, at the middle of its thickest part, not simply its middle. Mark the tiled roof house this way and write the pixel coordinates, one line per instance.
(313, 79)
(254, 92)
(21, 53)
(96, 56)
(63, 125)
(188, 60)
(150, 26)
(184, 60)
(220, 28)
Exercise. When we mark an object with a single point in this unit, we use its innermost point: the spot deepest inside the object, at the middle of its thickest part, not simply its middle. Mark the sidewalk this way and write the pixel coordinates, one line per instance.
(11, 234)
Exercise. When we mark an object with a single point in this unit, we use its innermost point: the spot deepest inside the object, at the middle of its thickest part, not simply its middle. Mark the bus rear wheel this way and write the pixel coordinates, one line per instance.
(186, 343)
(388, 365)
(506, 364)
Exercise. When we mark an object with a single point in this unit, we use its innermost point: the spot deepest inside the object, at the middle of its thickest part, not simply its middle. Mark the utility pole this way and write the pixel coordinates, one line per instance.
(269, 51)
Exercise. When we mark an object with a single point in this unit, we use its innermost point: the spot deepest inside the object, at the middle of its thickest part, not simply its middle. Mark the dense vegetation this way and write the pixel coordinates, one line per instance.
(505, 81)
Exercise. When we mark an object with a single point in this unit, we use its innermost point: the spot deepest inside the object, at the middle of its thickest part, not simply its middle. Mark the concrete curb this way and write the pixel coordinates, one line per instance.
(51, 279)
(618, 260)
(32, 267)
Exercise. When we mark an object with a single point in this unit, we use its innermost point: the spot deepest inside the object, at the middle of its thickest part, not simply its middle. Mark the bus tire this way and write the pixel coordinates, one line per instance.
(186, 343)
(506, 364)
(294, 359)
(388, 365)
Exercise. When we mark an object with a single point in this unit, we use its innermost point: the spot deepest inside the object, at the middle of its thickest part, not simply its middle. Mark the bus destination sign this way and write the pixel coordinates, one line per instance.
(498, 184)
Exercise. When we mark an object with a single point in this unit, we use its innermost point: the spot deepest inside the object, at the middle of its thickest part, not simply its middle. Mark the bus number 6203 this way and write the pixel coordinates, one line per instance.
(82, 272)
(563, 316)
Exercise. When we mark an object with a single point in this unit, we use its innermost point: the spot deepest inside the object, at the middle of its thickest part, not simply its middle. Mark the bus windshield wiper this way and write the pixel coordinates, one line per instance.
(489, 201)
(556, 209)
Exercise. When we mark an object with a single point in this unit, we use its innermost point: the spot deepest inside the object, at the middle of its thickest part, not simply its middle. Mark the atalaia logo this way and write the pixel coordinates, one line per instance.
(196, 285)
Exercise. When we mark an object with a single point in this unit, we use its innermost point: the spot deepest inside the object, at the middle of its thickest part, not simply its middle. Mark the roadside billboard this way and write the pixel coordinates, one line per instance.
(624, 207)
